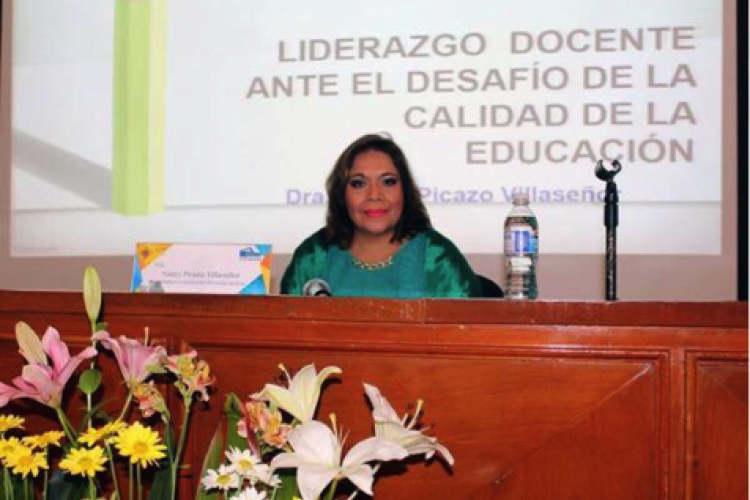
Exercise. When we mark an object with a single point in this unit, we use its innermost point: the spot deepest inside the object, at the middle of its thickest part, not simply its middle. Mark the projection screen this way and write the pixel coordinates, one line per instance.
(194, 121)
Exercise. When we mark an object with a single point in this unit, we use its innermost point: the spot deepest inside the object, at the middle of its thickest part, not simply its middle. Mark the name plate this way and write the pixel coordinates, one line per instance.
(194, 268)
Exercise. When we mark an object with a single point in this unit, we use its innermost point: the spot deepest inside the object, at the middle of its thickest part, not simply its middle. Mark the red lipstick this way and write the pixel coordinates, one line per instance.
(376, 213)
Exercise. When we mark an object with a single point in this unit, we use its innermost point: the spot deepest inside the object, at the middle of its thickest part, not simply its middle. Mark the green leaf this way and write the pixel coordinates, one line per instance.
(92, 294)
(30, 345)
(16, 484)
(233, 411)
(95, 411)
(161, 487)
(90, 381)
(169, 439)
(212, 460)
(66, 487)
(289, 488)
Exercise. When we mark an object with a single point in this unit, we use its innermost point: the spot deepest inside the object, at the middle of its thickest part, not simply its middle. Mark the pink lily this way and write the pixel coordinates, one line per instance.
(40, 380)
(133, 358)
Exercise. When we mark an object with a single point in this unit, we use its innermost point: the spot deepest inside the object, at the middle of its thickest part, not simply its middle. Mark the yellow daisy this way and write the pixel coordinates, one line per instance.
(92, 435)
(141, 444)
(84, 461)
(8, 422)
(42, 441)
(114, 427)
(9, 447)
(25, 461)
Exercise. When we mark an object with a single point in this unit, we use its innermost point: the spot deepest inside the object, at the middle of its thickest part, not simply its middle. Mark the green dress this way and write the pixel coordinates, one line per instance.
(428, 265)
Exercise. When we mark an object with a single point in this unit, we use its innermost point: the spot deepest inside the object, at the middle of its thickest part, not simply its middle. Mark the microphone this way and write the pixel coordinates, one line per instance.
(316, 287)
(611, 219)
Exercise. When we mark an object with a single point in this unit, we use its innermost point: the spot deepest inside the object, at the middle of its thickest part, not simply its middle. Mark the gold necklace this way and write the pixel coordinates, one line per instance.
(372, 266)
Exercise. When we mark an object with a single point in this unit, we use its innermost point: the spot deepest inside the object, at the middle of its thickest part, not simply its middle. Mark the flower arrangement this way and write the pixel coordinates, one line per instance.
(277, 450)
(88, 460)
(274, 448)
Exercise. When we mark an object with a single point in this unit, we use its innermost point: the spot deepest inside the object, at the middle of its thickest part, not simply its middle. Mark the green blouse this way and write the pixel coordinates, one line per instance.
(428, 265)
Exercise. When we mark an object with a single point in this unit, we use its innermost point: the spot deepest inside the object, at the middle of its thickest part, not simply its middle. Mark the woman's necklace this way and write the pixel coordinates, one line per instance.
(372, 266)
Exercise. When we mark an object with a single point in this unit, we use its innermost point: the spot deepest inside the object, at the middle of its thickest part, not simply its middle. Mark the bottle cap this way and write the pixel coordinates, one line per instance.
(520, 198)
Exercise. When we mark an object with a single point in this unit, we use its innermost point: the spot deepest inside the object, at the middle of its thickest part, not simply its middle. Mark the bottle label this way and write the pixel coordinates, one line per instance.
(520, 264)
(520, 242)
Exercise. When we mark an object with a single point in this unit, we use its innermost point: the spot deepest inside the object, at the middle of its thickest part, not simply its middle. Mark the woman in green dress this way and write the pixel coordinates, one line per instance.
(378, 240)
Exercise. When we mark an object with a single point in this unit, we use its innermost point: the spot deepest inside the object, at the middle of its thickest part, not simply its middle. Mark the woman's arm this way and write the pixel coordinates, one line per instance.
(308, 262)
(448, 273)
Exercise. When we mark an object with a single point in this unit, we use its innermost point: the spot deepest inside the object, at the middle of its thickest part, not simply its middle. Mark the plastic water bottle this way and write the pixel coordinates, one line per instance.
(521, 250)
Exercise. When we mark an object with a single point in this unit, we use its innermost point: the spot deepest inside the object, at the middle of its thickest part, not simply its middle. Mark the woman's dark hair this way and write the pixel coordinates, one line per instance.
(339, 226)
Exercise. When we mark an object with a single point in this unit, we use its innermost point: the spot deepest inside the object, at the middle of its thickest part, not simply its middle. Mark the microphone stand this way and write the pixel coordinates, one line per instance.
(611, 220)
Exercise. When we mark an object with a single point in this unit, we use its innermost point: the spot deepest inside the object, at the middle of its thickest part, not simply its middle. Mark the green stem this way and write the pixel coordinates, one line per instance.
(92, 366)
(67, 426)
(180, 445)
(92, 489)
(112, 470)
(332, 490)
(6, 484)
(140, 485)
(26, 488)
(130, 482)
(89, 404)
(126, 406)
(6, 478)
(46, 479)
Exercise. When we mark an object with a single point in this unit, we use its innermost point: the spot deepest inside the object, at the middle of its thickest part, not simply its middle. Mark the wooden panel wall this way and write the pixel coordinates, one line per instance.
(538, 400)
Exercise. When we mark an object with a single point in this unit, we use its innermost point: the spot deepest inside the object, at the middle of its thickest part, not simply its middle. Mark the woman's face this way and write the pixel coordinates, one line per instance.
(374, 195)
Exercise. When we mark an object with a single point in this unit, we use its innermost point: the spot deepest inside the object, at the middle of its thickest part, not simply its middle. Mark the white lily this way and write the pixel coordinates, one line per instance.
(317, 458)
(389, 426)
(301, 398)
